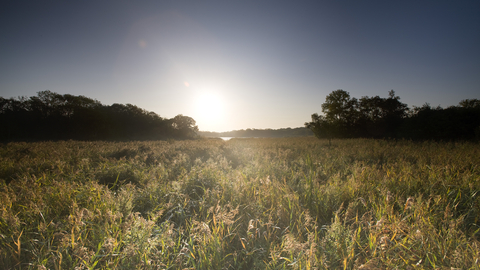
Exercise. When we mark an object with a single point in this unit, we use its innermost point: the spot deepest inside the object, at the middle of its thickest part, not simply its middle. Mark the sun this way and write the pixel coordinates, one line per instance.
(209, 110)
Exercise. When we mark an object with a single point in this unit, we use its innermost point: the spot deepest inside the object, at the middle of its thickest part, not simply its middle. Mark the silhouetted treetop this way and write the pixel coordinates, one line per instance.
(470, 103)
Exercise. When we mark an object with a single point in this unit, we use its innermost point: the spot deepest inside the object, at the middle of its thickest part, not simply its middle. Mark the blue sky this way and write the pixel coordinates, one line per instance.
(241, 64)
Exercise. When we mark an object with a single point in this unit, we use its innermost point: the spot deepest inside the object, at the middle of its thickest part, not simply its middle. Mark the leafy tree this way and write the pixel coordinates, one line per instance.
(346, 117)
(322, 128)
(339, 116)
(184, 126)
(381, 117)
(339, 106)
(340, 113)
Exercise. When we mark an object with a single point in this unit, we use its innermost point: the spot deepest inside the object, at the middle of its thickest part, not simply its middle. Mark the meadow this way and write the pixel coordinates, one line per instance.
(285, 203)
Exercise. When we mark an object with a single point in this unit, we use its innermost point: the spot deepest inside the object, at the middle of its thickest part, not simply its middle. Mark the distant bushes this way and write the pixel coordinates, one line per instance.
(261, 133)
(51, 116)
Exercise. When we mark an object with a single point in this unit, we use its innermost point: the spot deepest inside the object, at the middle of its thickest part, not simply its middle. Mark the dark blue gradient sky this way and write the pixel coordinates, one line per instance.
(270, 63)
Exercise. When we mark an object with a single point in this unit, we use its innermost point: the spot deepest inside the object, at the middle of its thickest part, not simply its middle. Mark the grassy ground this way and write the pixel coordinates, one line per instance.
(296, 203)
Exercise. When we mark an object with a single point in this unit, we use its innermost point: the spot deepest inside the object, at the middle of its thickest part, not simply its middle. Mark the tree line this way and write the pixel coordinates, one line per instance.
(376, 117)
(52, 116)
(261, 133)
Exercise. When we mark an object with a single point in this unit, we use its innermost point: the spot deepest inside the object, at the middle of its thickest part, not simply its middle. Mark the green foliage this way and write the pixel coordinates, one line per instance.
(296, 203)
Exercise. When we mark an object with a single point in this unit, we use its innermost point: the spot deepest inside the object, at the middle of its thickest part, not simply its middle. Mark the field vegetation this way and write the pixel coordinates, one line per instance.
(292, 203)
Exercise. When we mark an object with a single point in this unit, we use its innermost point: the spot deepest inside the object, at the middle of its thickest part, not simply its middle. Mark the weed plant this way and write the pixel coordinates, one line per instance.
(296, 203)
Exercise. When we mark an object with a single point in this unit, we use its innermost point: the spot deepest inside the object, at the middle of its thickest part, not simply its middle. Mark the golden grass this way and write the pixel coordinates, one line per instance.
(296, 203)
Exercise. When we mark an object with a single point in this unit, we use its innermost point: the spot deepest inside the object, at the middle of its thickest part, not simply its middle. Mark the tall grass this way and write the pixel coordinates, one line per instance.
(296, 203)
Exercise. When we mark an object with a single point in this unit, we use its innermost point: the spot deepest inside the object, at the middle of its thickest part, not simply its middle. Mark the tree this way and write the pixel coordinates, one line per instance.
(381, 117)
(393, 113)
(340, 107)
(322, 128)
(339, 116)
(346, 117)
(184, 126)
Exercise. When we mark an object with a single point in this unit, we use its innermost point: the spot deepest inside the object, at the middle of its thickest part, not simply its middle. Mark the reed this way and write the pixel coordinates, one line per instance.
(285, 203)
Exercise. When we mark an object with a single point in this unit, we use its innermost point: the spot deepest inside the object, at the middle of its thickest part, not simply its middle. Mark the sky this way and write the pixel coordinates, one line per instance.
(241, 64)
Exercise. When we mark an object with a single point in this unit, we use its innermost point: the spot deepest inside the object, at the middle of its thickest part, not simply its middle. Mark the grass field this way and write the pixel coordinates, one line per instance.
(293, 203)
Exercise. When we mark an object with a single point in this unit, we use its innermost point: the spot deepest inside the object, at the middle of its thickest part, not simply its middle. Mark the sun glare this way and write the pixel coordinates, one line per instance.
(209, 110)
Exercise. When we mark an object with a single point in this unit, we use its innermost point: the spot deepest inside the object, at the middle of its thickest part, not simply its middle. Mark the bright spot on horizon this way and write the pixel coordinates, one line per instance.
(209, 111)
(186, 84)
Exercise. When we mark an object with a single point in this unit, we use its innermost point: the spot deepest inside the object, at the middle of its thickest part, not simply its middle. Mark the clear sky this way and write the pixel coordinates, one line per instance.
(241, 64)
